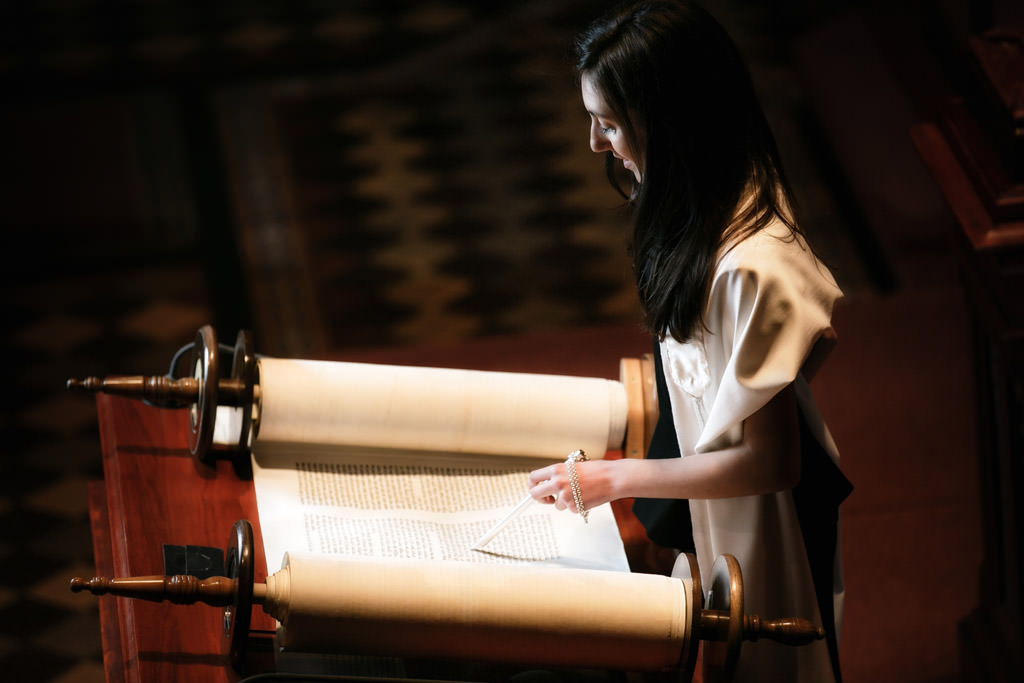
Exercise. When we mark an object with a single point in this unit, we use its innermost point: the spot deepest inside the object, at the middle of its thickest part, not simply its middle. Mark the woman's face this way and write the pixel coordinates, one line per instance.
(606, 133)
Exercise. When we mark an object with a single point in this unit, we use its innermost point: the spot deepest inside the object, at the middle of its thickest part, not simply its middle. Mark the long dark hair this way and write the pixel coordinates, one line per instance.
(676, 82)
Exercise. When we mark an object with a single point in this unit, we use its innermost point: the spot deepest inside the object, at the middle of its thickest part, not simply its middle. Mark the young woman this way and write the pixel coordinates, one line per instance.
(741, 461)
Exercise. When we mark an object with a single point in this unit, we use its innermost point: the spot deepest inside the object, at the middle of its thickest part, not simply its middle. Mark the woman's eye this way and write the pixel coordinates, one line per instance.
(607, 131)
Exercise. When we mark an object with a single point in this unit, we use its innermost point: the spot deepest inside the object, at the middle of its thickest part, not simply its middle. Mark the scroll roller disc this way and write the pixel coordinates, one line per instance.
(238, 561)
(243, 369)
(205, 369)
(725, 595)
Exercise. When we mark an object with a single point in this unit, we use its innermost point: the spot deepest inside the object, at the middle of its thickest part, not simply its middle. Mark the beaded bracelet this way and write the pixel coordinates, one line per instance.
(574, 481)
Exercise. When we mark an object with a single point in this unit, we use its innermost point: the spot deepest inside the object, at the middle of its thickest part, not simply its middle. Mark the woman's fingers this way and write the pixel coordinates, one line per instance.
(542, 475)
(546, 492)
(551, 485)
(560, 496)
(546, 488)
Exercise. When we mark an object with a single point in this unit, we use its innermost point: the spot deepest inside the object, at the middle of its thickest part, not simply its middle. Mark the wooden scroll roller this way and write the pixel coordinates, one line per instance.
(269, 392)
(504, 614)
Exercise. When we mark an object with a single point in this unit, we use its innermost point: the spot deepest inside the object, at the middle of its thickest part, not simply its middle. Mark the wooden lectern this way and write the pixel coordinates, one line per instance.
(152, 494)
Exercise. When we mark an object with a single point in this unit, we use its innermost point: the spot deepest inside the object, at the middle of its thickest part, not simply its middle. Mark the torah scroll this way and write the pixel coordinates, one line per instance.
(371, 460)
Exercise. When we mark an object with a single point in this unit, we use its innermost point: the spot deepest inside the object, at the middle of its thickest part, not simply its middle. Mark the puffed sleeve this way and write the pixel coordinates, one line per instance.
(771, 299)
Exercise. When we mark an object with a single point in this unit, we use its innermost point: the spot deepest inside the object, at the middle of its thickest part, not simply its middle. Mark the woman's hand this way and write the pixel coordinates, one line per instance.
(551, 484)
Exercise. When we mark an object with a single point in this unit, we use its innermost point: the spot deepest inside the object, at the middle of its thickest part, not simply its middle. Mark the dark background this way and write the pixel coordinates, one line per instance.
(337, 176)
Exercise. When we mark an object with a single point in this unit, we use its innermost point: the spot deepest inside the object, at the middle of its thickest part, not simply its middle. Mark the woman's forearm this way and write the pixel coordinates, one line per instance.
(726, 473)
(765, 461)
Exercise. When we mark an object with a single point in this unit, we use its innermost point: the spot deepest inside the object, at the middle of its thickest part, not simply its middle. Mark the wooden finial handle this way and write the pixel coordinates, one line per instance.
(218, 591)
(156, 389)
(159, 389)
(788, 630)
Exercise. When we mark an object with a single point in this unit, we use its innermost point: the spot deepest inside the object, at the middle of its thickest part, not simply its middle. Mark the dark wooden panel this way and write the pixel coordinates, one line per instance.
(156, 495)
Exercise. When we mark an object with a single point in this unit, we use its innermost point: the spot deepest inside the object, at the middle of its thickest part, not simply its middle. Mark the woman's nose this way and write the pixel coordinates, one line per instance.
(598, 142)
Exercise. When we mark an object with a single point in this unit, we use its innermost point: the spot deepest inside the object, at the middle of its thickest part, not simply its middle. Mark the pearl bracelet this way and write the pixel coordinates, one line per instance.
(574, 480)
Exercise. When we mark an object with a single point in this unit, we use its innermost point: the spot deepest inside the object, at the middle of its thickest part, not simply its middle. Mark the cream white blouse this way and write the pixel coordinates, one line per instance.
(770, 301)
